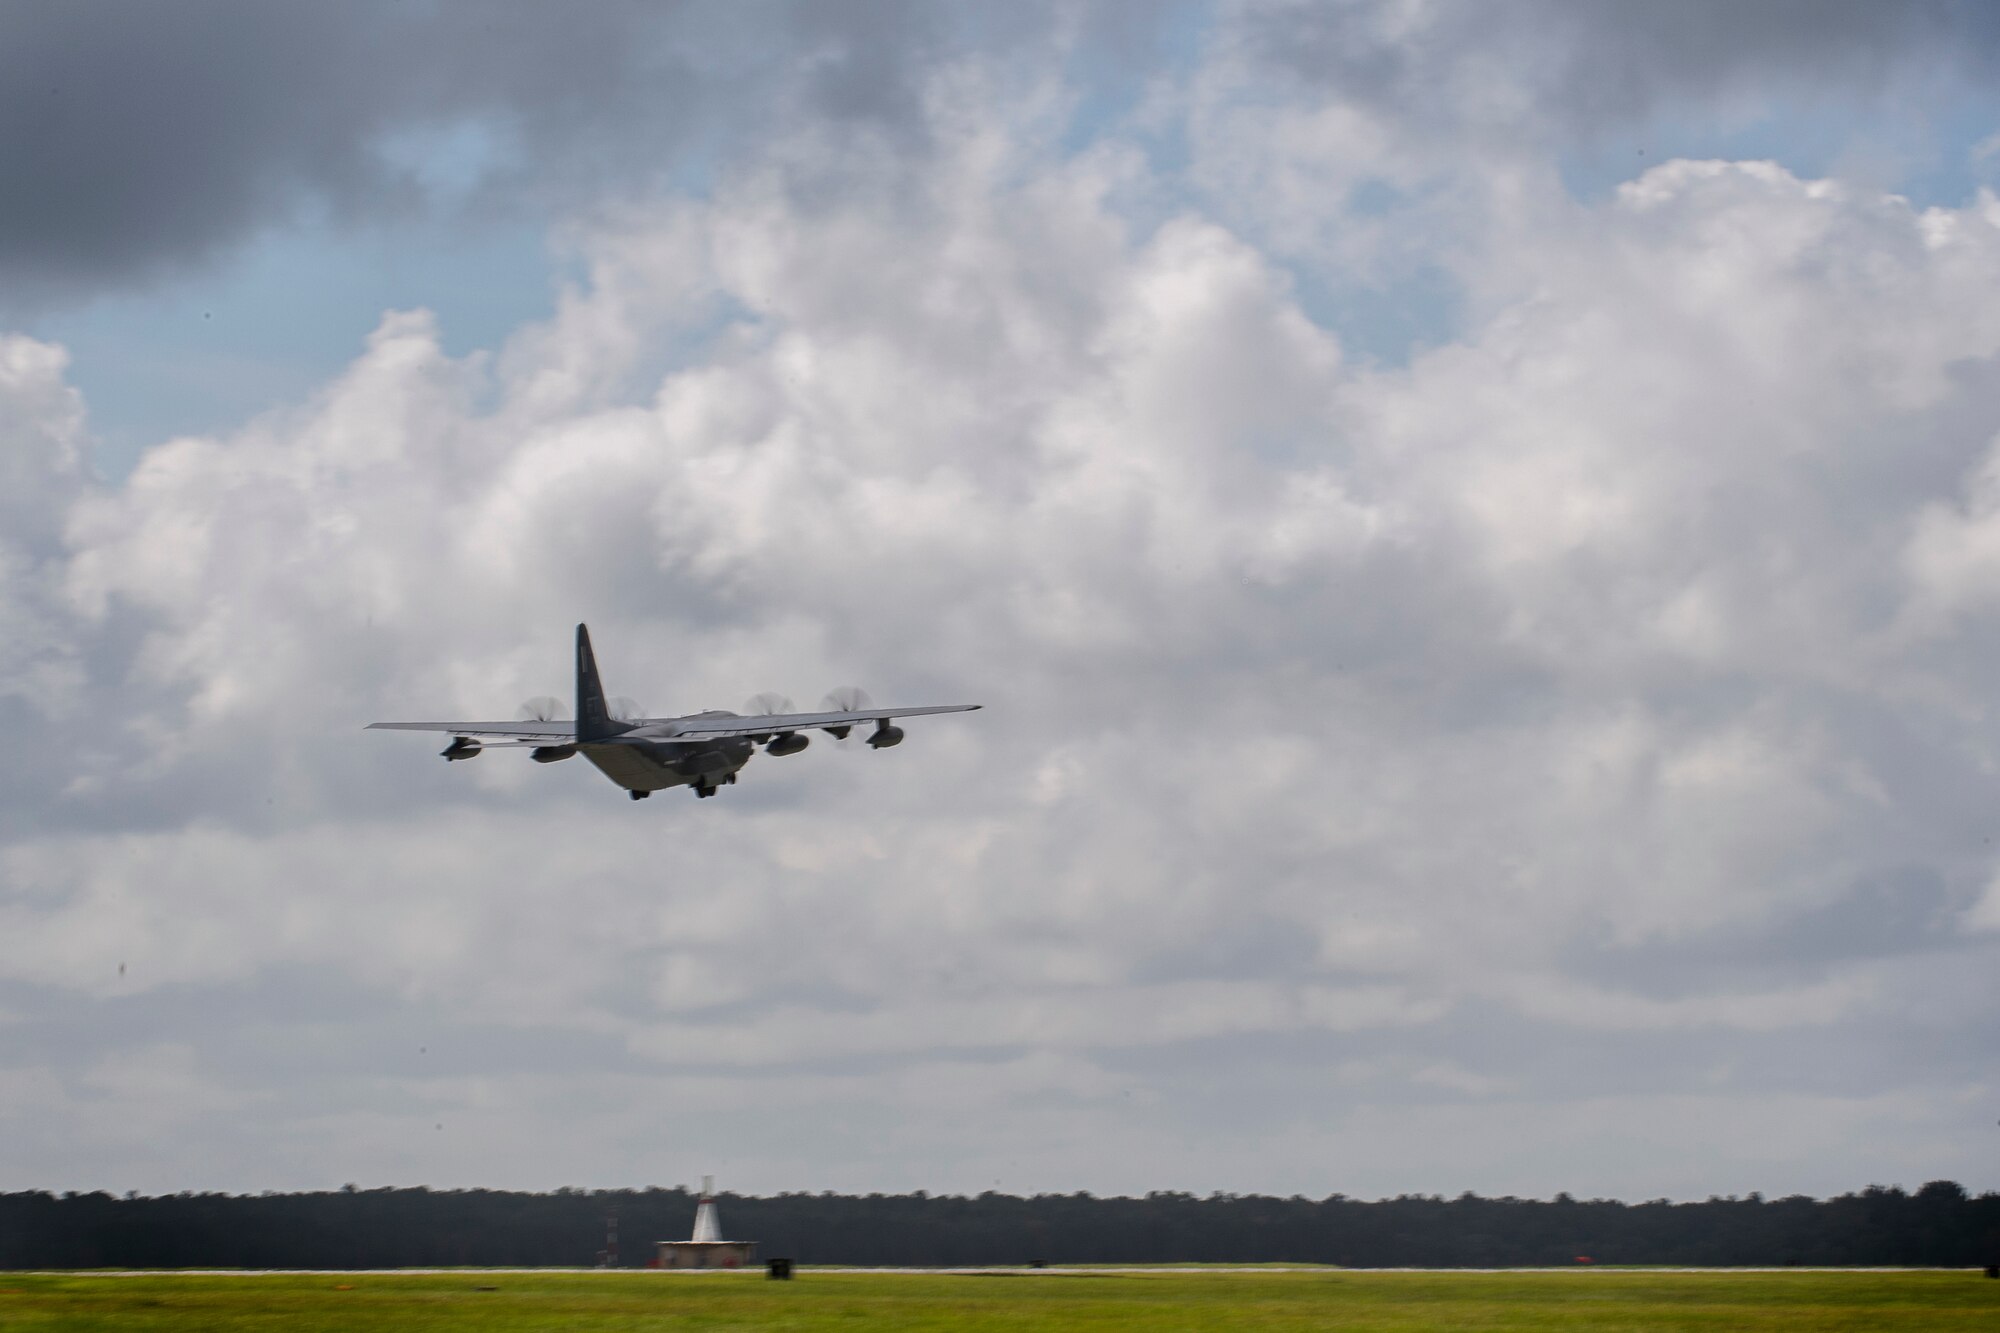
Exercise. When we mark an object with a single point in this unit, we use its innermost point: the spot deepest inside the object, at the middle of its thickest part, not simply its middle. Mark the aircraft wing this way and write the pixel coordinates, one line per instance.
(527, 733)
(716, 727)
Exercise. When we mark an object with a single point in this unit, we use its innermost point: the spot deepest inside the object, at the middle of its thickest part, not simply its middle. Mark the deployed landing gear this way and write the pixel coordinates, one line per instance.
(640, 795)
(704, 789)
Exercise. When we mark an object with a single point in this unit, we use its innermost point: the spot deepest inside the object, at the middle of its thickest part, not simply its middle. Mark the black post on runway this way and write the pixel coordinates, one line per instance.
(778, 1270)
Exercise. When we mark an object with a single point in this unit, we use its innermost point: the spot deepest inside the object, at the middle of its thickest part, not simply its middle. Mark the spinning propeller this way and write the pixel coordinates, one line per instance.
(844, 699)
(769, 704)
(541, 708)
(544, 708)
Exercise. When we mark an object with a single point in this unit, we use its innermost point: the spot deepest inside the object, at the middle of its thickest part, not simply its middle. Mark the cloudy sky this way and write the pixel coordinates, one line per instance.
(1477, 528)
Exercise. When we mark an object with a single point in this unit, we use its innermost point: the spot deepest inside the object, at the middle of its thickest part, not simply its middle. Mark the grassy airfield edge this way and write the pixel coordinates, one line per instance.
(1273, 1300)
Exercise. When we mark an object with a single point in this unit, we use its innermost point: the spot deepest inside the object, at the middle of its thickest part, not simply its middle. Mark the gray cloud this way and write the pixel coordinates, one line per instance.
(138, 138)
(1584, 69)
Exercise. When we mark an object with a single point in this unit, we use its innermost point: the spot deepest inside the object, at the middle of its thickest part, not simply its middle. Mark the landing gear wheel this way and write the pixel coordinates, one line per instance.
(640, 795)
(704, 790)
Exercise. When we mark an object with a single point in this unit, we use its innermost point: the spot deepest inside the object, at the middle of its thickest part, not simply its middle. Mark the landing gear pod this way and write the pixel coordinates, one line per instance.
(886, 734)
(461, 747)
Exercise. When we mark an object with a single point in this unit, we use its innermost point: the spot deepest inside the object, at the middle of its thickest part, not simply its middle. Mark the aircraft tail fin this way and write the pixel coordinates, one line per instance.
(593, 716)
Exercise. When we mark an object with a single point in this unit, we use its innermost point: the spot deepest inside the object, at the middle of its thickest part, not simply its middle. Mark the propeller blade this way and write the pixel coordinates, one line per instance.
(846, 699)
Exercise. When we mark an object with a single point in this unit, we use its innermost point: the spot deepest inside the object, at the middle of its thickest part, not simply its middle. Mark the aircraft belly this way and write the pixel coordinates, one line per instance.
(631, 767)
(654, 767)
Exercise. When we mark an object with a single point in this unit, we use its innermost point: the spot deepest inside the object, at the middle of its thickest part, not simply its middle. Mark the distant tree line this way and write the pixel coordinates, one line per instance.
(388, 1228)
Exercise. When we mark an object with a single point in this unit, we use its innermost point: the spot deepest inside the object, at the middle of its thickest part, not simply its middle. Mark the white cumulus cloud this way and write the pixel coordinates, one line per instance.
(1355, 731)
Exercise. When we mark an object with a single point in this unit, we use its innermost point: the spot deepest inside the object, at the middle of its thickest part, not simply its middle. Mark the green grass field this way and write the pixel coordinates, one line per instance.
(1267, 1302)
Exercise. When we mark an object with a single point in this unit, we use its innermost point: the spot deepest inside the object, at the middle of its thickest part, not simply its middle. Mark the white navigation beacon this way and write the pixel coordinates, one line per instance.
(707, 1219)
(706, 1248)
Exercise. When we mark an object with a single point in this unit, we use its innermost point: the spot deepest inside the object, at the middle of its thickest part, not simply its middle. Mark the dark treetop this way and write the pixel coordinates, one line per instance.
(386, 1228)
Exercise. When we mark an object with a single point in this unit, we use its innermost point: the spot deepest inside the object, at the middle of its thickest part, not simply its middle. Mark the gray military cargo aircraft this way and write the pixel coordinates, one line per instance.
(648, 754)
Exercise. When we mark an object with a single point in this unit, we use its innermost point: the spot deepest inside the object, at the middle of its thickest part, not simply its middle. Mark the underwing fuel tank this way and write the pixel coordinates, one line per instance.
(788, 743)
(461, 747)
(551, 754)
(885, 736)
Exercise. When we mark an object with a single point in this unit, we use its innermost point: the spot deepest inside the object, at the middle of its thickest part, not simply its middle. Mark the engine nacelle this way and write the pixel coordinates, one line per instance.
(551, 754)
(886, 735)
(788, 743)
